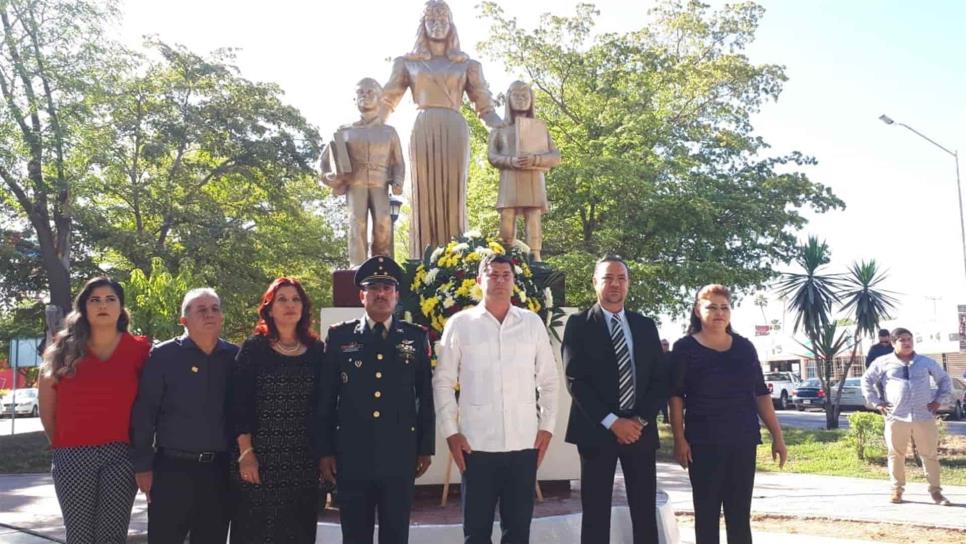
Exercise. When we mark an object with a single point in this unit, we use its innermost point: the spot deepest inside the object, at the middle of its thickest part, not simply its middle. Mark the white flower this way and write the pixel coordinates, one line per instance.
(431, 276)
(448, 302)
(436, 253)
(473, 234)
(461, 247)
(483, 251)
(548, 297)
(517, 271)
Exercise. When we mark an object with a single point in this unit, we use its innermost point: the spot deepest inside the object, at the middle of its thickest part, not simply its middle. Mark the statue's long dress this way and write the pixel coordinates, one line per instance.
(439, 147)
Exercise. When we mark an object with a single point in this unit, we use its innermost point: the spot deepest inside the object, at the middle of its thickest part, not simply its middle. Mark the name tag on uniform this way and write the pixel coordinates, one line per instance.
(351, 348)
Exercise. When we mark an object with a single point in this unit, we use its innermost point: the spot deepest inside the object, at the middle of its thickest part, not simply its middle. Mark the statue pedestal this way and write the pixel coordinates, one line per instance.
(345, 293)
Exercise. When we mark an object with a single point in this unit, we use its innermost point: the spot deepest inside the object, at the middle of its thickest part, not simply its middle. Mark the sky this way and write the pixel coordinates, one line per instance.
(846, 62)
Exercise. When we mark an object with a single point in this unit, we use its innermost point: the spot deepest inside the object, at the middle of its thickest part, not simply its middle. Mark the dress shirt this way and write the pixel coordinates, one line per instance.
(181, 402)
(609, 419)
(499, 368)
(886, 381)
(372, 322)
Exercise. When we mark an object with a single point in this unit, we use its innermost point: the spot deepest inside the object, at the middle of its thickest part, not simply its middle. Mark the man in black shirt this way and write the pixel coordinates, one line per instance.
(884, 347)
(179, 433)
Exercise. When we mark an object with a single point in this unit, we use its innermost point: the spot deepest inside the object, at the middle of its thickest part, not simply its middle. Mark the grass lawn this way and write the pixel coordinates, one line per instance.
(831, 453)
(25, 452)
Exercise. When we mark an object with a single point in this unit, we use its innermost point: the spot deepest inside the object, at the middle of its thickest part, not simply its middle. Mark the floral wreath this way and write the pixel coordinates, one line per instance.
(445, 282)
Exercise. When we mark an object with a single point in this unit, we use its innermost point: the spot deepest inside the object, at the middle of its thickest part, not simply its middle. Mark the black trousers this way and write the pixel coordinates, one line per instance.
(597, 466)
(360, 501)
(722, 475)
(188, 497)
(509, 478)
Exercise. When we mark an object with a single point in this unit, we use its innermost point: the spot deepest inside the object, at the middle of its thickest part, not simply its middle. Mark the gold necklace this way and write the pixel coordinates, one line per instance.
(287, 350)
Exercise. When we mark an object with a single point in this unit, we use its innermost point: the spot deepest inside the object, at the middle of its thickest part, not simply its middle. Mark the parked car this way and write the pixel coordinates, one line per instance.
(956, 405)
(851, 395)
(25, 403)
(808, 394)
(780, 385)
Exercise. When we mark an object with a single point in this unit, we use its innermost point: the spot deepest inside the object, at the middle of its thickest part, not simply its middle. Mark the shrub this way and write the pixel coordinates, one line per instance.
(866, 429)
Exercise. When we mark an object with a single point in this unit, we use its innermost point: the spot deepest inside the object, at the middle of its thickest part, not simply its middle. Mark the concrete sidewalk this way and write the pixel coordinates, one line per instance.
(27, 501)
(831, 497)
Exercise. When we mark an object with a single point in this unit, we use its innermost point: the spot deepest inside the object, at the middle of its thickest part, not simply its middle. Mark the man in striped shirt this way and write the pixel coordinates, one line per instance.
(898, 384)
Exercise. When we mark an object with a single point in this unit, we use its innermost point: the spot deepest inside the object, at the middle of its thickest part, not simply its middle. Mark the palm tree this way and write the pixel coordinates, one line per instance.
(811, 295)
(867, 304)
(825, 347)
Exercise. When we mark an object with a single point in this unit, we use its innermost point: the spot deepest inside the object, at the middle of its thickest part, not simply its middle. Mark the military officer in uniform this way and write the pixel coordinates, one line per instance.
(376, 415)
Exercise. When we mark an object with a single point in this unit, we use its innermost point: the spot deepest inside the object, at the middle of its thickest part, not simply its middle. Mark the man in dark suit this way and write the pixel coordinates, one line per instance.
(376, 415)
(617, 377)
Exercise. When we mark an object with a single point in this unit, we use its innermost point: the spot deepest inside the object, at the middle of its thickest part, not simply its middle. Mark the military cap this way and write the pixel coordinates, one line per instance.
(378, 269)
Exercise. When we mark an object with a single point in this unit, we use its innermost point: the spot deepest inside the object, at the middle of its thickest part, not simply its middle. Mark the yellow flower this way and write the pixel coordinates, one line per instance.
(465, 287)
(419, 277)
(496, 247)
(426, 305)
(527, 272)
(472, 258)
(476, 292)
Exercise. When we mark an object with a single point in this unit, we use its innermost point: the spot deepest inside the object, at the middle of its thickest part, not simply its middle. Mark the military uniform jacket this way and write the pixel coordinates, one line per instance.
(376, 410)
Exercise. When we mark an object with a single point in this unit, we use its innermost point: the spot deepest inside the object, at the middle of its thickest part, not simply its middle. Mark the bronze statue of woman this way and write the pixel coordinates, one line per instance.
(438, 74)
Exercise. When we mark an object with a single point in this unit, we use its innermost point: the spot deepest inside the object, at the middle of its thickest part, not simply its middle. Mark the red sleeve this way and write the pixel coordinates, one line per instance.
(142, 349)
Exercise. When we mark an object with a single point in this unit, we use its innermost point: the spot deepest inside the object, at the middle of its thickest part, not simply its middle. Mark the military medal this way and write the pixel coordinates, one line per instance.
(358, 363)
(345, 378)
(194, 369)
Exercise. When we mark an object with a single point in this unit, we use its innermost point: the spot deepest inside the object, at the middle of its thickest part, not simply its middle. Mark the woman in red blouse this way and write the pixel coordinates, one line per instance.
(87, 388)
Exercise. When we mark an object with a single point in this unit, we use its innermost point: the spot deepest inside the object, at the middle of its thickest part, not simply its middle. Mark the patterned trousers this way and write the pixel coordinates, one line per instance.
(95, 487)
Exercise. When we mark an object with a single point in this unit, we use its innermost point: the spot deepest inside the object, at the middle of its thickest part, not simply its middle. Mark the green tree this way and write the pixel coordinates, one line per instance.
(154, 300)
(197, 163)
(812, 295)
(867, 304)
(661, 163)
(483, 181)
(55, 70)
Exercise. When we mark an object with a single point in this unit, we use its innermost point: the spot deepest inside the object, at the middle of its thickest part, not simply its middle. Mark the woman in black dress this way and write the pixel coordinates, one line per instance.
(717, 395)
(275, 474)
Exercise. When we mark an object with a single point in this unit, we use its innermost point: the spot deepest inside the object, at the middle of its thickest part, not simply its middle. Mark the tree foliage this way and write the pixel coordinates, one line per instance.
(54, 74)
(661, 161)
(813, 295)
(198, 165)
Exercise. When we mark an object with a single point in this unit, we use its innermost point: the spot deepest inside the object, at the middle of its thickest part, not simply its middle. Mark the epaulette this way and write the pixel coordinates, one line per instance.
(349, 323)
(412, 325)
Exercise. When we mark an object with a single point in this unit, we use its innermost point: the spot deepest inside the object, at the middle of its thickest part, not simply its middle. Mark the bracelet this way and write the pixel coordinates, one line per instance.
(244, 453)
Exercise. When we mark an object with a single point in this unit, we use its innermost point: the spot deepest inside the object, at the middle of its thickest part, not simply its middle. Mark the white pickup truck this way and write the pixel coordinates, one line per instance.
(781, 385)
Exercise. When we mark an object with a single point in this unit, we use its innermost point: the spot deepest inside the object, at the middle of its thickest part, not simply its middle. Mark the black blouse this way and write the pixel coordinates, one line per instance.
(720, 391)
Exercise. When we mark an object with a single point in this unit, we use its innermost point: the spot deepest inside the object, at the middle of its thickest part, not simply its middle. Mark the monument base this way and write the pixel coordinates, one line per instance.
(345, 293)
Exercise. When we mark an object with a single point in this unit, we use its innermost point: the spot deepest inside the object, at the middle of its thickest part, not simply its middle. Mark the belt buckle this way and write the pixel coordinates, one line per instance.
(206, 457)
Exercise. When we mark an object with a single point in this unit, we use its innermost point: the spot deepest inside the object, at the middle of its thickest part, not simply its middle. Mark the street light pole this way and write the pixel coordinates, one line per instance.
(959, 190)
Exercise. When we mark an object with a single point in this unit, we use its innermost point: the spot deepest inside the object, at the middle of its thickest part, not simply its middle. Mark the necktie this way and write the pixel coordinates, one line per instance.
(625, 380)
(379, 330)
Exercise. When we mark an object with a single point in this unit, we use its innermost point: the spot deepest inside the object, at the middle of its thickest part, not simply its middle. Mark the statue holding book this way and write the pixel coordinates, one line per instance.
(363, 161)
(523, 151)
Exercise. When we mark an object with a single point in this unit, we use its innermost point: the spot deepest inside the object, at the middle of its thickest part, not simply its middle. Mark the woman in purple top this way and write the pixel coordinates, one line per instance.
(717, 395)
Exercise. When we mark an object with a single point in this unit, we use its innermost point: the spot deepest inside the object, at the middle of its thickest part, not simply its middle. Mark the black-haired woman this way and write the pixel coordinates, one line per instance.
(87, 387)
